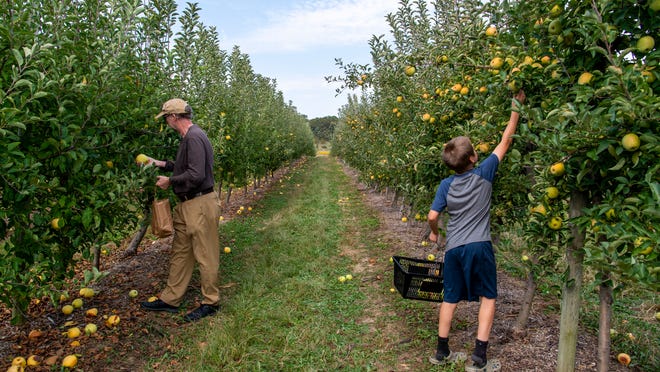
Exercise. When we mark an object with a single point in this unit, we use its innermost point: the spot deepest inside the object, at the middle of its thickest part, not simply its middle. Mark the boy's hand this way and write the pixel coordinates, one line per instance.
(518, 100)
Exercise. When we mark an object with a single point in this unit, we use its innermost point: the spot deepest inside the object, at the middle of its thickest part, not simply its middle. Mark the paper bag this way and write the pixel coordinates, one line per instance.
(161, 218)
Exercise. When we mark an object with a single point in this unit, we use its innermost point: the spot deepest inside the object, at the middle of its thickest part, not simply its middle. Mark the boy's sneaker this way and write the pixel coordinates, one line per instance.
(159, 305)
(492, 365)
(453, 357)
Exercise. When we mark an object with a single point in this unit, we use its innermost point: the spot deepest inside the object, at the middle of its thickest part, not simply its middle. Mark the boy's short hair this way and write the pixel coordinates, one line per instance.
(457, 153)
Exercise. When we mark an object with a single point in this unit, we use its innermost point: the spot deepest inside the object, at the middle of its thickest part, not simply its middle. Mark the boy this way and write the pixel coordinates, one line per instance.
(469, 266)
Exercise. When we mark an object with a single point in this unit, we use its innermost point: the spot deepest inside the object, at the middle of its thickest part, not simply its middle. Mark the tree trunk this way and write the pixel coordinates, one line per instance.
(131, 250)
(228, 195)
(570, 299)
(526, 306)
(604, 324)
(96, 256)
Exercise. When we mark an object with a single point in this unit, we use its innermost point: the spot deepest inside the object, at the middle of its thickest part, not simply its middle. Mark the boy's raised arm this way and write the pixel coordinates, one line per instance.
(510, 129)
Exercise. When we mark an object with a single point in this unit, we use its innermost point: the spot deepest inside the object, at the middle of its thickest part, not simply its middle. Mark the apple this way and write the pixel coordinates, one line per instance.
(32, 361)
(496, 62)
(90, 329)
(557, 169)
(554, 28)
(552, 192)
(73, 332)
(132, 293)
(56, 223)
(349, 277)
(555, 223)
(86, 292)
(67, 309)
(430, 257)
(19, 361)
(623, 358)
(491, 31)
(555, 11)
(585, 78)
(409, 70)
(645, 43)
(657, 316)
(525, 257)
(630, 142)
(77, 303)
(70, 361)
(142, 159)
(112, 321)
(342, 279)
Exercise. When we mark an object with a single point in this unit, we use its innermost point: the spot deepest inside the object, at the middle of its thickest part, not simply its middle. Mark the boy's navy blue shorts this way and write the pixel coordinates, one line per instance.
(470, 272)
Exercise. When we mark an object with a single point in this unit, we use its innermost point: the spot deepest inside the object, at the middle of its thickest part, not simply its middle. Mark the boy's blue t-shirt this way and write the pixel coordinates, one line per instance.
(466, 198)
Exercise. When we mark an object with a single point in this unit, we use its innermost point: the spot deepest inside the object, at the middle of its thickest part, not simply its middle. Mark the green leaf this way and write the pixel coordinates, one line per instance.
(18, 57)
(87, 217)
(619, 165)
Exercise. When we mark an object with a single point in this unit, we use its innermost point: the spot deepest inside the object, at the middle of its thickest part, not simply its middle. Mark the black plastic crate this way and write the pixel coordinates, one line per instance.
(418, 279)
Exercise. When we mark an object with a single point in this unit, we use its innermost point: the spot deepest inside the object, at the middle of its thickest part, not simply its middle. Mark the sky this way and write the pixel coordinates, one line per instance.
(296, 42)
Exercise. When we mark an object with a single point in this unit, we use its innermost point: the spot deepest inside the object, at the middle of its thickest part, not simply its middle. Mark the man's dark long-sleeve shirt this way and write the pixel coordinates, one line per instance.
(192, 171)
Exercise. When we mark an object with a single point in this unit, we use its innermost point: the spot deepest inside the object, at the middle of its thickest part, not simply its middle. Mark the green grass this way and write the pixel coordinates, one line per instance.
(288, 311)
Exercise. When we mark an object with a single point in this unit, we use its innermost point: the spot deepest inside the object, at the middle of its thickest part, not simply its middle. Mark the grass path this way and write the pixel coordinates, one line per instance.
(287, 310)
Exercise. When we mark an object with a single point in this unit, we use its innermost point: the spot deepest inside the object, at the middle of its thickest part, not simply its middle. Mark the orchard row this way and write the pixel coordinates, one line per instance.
(582, 178)
(81, 84)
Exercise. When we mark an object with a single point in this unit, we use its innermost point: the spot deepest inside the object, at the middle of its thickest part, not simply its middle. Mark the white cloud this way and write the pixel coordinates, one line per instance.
(318, 24)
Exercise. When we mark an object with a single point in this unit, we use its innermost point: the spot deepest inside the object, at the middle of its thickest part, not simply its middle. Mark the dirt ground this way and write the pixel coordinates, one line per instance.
(123, 348)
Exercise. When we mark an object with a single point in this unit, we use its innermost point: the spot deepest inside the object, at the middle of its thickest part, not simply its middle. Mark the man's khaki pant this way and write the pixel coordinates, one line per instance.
(195, 239)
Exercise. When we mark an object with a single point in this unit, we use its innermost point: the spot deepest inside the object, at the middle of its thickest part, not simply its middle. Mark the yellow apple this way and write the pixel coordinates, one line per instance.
(73, 332)
(409, 70)
(491, 31)
(227, 250)
(112, 321)
(430, 257)
(496, 62)
(132, 293)
(630, 142)
(555, 223)
(623, 358)
(645, 43)
(77, 303)
(557, 169)
(70, 361)
(341, 279)
(19, 361)
(552, 192)
(56, 223)
(67, 309)
(90, 329)
(585, 78)
(142, 159)
(32, 361)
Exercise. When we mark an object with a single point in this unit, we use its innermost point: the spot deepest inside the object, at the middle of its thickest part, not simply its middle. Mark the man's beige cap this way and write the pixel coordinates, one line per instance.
(175, 106)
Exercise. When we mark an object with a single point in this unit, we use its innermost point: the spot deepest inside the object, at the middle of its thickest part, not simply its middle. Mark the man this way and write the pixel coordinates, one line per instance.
(195, 217)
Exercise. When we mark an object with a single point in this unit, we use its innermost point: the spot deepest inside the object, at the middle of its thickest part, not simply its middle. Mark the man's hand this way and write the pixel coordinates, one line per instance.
(163, 182)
